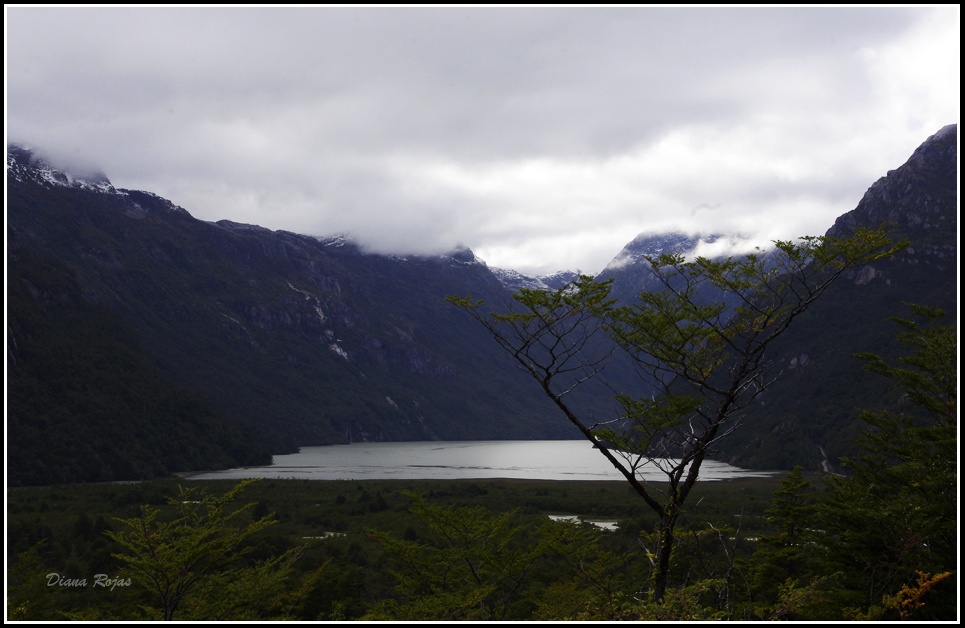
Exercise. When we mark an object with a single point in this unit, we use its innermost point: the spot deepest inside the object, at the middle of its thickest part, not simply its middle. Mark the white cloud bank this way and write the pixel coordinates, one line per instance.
(541, 138)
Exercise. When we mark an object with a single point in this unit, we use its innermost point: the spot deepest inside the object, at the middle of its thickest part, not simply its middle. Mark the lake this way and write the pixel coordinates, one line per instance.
(435, 460)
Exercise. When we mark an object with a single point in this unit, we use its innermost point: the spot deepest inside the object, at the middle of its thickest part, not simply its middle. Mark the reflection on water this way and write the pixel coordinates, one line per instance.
(434, 460)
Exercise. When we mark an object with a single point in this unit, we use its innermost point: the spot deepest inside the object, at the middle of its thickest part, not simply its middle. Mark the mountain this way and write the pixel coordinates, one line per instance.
(291, 339)
(84, 400)
(24, 164)
(808, 415)
(515, 281)
(653, 244)
(631, 272)
(143, 341)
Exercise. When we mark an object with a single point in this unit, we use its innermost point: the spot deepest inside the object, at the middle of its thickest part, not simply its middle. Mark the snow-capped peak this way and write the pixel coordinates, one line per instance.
(651, 244)
(712, 246)
(337, 240)
(515, 280)
(25, 164)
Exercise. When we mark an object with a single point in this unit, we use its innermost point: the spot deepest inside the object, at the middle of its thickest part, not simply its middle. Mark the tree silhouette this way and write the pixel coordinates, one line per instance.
(699, 341)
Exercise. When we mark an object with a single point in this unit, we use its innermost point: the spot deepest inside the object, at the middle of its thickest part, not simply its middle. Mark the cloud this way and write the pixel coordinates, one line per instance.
(541, 138)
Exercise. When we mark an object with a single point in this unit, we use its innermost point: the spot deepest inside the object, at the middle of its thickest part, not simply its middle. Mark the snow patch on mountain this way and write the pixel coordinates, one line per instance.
(462, 255)
(336, 241)
(652, 244)
(25, 164)
(689, 245)
(514, 281)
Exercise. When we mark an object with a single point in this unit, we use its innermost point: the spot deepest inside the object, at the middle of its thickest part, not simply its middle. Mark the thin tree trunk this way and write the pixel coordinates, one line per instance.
(667, 524)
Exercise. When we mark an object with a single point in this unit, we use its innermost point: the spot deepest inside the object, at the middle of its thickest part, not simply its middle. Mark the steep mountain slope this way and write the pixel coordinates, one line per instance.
(298, 340)
(85, 401)
(808, 415)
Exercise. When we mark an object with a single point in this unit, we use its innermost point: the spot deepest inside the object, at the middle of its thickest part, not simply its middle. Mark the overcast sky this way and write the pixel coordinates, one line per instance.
(543, 139)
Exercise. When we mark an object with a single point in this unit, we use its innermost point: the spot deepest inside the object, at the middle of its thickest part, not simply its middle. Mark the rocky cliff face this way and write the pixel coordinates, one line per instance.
(915, 196)
(917, 201)
(810, 412)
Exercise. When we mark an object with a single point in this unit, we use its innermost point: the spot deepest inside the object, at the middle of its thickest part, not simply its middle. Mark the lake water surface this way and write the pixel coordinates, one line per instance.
(434, 460)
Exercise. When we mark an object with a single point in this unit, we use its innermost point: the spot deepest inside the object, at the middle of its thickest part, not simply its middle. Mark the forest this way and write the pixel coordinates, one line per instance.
(877, 543)
(404, 550)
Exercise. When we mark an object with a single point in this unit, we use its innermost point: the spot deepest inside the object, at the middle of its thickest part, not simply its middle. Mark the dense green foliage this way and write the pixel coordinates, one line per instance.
(748, 549)
(84, 401)
(190, 563)
(344, 571)
(895, 515)
(476, 571)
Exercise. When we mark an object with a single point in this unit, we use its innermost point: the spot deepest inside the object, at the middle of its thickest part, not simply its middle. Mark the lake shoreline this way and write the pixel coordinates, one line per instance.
(443, 460)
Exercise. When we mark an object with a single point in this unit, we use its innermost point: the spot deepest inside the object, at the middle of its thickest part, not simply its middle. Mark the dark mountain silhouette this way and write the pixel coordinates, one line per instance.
(295, 340)
(808, 416)
(143, 341)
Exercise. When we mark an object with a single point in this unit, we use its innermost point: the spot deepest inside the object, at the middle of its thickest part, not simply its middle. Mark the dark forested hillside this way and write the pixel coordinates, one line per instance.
(86, 403)
(295, 340)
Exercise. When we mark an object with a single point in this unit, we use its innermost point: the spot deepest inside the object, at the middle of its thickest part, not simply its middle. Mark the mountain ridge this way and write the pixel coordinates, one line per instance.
(306, 340)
